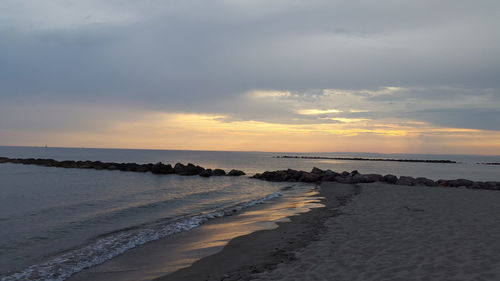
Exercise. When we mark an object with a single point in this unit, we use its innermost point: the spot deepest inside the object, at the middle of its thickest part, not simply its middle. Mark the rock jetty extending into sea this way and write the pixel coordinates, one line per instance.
(368, 159)
(318, 175)
(158, 168)
(315, 176)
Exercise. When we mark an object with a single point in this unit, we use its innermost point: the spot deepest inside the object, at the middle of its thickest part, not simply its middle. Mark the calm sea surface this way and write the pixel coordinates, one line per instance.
(55, 222)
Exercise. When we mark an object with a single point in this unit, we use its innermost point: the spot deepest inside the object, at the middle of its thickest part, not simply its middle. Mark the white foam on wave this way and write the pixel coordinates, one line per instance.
(69, 263)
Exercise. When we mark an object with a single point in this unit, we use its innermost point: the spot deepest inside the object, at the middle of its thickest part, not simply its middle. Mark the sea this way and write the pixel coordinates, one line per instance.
(55, 222)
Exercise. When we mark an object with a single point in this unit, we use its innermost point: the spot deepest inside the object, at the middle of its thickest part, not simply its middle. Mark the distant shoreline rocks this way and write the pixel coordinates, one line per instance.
(158, 168)
(318, 175)
(368, 159)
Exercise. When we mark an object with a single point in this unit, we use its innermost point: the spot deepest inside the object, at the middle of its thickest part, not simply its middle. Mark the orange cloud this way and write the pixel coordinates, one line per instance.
(211, 132)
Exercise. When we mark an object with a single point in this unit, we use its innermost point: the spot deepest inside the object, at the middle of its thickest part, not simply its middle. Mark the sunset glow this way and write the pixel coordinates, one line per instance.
(202, 132)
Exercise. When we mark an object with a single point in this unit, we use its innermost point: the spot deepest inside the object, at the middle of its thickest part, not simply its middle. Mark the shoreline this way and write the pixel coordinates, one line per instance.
(264, 250)
(373, 231)
(166, 255)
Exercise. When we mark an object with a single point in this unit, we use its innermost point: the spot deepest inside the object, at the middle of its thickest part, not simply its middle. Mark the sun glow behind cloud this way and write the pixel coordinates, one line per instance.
(265, 120)
(212, 131)
(317, 111)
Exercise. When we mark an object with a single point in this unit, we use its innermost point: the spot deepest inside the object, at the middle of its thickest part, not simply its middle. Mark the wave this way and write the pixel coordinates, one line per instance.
(63, 266)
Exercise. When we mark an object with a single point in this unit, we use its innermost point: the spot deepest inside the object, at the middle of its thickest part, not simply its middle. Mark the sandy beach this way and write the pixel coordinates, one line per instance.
(370, 232)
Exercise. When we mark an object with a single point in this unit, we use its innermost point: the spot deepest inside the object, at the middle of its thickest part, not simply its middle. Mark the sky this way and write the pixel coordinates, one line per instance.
(388, 76)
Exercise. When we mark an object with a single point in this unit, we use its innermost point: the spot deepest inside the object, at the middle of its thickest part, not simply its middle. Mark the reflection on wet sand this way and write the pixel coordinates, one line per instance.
(164, 256)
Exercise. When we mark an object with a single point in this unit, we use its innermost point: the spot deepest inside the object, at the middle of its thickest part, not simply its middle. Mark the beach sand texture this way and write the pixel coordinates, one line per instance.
(404, 233)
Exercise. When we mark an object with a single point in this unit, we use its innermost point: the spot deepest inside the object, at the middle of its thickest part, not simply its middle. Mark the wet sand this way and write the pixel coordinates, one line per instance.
(164, 256)
(385, 232)
(263, 250)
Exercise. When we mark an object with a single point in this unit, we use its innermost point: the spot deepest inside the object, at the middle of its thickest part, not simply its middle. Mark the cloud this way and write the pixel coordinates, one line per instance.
(339, 61)
(473, 118)
(168, 52)
(57, 118)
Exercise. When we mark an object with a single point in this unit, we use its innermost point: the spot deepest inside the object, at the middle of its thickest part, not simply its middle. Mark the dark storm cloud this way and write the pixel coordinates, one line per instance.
(205, 56)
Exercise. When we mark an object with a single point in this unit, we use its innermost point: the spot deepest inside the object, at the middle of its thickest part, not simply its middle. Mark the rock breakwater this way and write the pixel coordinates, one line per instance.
(317, 175)
(158, 168)
(369, 159)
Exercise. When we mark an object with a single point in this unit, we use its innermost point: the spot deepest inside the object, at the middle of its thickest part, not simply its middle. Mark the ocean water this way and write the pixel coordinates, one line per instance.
(55, 222)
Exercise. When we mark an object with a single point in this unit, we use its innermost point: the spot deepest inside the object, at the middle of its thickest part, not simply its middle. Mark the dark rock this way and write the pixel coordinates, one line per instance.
(353, 173)
(179, 168)
(160, 168)
(145, 168)
(310, 177)
(236, 173)
(218, 172)
(156, 168)
(345, 174)
(410, 181)
(98, 166)
(286, 175)
(122, 167)
(86, 165)
(477, 185)
(391, 179)
(374, 177)
(317, 171)
(368, 178)
(492, 185)
(167, 169)
(282, 175)
(207, 173)
(292, 175)
(425, 181)
(442, 183)
(67, 164)
(460, 182)
(257, 176)
(131, 167)
(189, 170)
(272, 176)
(265, 176)
(329, 175)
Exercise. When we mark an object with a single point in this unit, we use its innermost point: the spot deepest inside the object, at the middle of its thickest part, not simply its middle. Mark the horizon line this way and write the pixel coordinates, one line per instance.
(258, 151)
